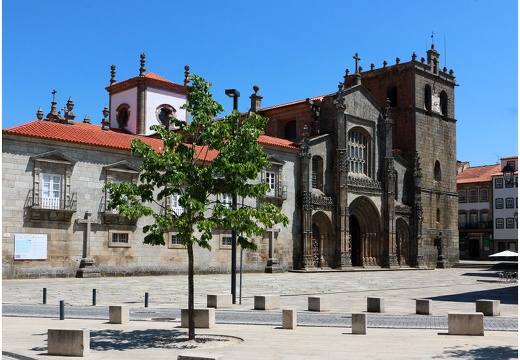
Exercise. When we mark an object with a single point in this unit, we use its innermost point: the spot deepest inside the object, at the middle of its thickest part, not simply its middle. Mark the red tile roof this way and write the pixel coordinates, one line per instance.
(292, 103)
(93, 135)
(477, 174)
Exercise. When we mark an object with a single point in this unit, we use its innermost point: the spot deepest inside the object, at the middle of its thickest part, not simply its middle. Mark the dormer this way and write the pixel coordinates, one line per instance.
(145, 100)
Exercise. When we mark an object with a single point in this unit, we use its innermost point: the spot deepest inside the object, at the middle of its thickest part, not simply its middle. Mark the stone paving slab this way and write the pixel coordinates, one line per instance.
(149, 340)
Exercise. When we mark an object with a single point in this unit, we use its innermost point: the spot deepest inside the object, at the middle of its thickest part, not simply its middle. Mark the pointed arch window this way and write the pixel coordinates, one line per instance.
(317, 172)
(358, 156)
(290, 130)
(428, 98)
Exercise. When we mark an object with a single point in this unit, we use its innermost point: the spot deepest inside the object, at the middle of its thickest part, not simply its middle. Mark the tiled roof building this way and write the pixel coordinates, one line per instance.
(366, 175)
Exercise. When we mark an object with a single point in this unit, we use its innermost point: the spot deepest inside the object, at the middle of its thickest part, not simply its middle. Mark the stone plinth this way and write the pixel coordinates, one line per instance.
(289, 319)
(359, 324)
(423, 306)
(375, 304)
(204, 318)
(466, 324)
(118, 314)
(318, 303)
(87, 269)
(488, 307)
(218, 301)
(68, 342)
(267, 302)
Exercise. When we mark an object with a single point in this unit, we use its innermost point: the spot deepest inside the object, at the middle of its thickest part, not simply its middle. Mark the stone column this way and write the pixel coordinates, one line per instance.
(273, 264)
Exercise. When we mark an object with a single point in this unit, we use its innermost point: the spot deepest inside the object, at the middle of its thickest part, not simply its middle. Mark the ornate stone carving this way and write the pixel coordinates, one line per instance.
(364, 182)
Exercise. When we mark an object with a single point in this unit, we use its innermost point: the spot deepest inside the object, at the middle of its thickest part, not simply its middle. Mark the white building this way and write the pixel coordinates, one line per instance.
(505, 203)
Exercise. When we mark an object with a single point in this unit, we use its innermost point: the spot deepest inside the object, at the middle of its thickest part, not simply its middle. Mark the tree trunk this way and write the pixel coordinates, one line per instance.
(191, 295)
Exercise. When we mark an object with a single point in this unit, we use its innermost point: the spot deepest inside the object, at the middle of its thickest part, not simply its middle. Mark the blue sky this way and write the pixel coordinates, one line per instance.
(291, 49)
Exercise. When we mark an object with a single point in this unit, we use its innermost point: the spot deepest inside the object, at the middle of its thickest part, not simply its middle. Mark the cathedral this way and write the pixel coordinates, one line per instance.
(366, 176)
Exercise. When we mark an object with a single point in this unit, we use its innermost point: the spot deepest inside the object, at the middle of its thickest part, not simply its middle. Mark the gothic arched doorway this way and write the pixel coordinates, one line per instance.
(322, 241)
(365, 232)
(403, 243)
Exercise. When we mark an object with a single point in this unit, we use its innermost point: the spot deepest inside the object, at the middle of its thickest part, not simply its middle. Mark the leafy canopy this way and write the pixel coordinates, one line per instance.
(181, 167)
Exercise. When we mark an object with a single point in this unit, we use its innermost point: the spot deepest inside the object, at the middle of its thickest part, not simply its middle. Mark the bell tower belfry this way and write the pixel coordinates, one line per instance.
(145, 100)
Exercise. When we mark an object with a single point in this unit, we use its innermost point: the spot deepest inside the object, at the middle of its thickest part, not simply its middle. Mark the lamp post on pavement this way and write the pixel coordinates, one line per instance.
(235, 95)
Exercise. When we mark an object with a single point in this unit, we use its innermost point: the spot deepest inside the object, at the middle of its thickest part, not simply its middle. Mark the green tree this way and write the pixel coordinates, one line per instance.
(199, 161)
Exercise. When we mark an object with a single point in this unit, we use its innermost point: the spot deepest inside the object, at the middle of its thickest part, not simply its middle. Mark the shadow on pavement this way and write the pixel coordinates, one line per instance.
(485, 353)
(506, 295)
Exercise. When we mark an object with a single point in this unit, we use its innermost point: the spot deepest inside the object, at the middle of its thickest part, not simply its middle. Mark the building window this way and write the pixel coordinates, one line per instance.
(462, 220)
(273, 177)
(483, 195)
(428, 98)
(270, 179)
(484, 217)
(317, 172)
(289, 131)
(499, 183)
(358, 152)
(119, 238)
(51, 191)
(226, 240)
(462, 196)
(176, 208)
(510, 203)
(499, 223)
(499, 203)
(227, 201)
(175, 240)
(510, 223)
(437, 171)
(473, 195)
(473, 219)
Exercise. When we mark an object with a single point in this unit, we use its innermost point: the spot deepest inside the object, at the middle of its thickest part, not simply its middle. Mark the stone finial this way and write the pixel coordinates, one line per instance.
(372, 66)
(186, 74)
(451, 72)
(39, 113)
(347, 72)
(86, 119)
(142, 69)
(385, 63)
(414, 56)
(397, 60)
(112, 74)
(69, 114)
(360, 69)
(105, 123)
(422, 60)
(256, 99)
(444, 69)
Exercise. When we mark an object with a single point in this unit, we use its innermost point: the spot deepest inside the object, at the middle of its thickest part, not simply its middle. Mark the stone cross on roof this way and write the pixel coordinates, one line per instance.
(357, 58)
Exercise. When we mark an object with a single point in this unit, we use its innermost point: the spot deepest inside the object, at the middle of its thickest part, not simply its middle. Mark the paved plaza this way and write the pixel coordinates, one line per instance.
(398, 333)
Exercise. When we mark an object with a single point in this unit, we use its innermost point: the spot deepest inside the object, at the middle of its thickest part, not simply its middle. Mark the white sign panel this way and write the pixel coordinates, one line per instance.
(30, 246)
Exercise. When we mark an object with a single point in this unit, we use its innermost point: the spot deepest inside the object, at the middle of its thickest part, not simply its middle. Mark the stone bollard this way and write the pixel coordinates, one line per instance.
(423, 306)
(375, 304)
(289, 320)
(466, 324)
(318, 303)
(267, 302)
(204, 318)
(219, 301)
(488, 307)
(359, 323)
(118, 314)
(68, 342)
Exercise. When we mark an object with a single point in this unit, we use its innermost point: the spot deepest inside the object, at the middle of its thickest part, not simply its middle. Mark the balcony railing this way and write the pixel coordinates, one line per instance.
(478, 225)
(41, 202)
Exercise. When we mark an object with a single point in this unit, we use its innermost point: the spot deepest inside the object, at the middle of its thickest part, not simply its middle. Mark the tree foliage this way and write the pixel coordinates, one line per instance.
(198, 162)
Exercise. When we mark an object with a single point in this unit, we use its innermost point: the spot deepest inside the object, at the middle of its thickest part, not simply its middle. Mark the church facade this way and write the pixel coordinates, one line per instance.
(366, 175)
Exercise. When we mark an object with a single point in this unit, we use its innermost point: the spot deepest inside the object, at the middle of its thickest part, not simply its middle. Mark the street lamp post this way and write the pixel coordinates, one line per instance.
(235, 95)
